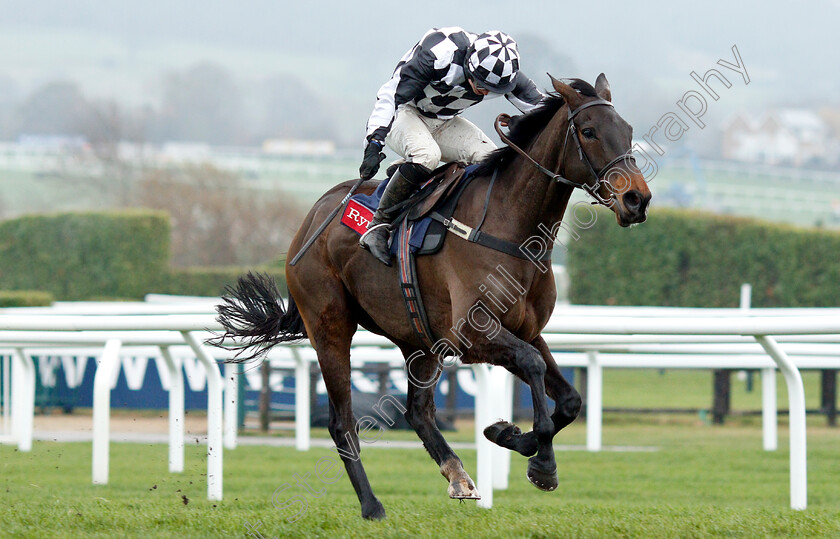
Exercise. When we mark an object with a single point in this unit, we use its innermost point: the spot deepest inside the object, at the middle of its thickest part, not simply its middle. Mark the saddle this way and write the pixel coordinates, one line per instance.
(438, 195)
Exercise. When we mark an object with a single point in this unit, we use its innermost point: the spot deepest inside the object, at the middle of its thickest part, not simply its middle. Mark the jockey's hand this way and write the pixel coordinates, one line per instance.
(370, 162)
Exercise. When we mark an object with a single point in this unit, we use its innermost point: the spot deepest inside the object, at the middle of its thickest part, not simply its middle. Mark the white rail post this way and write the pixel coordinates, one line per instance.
(483, 446)
(231, 397)
(746, 296)
(108, 363)
(302, 394)
(769, 409)
(214, 417)
(502, 389)
(18, 397)
(7, 396)
(594, 401)
(769, 419)
(21, 401)
(26, 400)
(796, 398)
(176, 411)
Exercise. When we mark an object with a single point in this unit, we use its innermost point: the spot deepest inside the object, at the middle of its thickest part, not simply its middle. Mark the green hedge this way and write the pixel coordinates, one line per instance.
(693, 259)
(76, 256)
(212, 281)
(25, 298)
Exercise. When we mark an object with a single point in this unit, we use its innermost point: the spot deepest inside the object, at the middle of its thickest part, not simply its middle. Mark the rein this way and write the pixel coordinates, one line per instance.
(573, 130)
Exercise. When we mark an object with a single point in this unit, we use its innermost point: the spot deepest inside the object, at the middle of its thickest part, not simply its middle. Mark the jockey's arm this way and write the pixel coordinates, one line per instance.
(525, 96)
(414, 72)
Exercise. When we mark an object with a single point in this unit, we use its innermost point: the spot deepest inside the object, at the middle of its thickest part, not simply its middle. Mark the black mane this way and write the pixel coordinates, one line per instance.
(525, 127)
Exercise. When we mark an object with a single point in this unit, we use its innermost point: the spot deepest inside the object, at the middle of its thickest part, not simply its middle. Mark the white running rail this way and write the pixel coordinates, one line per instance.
(592, 337)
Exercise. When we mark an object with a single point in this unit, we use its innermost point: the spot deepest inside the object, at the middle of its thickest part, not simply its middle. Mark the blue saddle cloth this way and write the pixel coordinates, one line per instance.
(418, 233)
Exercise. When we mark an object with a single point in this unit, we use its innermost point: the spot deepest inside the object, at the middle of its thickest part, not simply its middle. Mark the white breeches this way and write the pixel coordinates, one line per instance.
(428, 141)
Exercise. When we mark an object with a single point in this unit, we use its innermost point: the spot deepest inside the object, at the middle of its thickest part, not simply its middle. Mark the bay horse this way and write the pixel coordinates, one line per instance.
(337, 286)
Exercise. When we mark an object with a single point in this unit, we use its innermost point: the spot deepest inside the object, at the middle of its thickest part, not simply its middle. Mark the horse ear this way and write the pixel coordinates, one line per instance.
(569, 94)
(602, 88)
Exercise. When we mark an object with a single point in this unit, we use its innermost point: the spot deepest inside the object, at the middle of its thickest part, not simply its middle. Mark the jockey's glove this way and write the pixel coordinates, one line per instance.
(373, 156)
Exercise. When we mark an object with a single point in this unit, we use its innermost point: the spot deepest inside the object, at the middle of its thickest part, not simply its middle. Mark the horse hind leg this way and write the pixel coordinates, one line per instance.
(420, 414)
(347, 445)
(332, 342)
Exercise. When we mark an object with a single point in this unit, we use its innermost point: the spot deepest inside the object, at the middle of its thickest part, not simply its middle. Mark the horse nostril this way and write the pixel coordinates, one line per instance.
(633, 201)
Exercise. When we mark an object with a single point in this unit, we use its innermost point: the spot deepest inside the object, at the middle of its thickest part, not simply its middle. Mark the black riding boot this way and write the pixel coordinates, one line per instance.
(402, 185)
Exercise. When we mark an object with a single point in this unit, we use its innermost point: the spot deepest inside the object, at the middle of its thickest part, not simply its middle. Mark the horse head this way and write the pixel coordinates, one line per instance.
(603, 164)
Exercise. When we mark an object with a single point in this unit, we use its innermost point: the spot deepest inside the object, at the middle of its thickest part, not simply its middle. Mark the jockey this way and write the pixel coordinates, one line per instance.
(417, 113)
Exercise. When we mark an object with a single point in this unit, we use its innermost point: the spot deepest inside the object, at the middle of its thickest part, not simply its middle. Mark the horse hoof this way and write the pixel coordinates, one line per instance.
(502, 433)
(373, 511)
(506, 434)
(541, 477)
(463, 489)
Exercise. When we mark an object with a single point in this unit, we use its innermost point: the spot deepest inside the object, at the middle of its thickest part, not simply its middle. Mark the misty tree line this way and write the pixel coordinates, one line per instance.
(202, 103)
(217, 218)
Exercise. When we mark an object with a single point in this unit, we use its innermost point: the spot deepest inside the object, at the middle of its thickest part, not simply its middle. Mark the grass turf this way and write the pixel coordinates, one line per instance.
(703, 481)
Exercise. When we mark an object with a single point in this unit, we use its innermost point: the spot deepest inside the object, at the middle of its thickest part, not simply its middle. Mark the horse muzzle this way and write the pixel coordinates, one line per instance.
(632, 207)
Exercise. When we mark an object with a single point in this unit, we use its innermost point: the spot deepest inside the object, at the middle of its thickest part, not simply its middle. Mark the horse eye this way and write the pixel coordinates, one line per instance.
(588, 133)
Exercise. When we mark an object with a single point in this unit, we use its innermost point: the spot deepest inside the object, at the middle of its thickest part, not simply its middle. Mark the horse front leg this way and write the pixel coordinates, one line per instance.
(524, 360)
(566, 409)
(566, 398)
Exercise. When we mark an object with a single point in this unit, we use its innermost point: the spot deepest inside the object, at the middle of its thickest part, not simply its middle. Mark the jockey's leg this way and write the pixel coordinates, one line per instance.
(402, 185)
(409, 137)
(461, 140)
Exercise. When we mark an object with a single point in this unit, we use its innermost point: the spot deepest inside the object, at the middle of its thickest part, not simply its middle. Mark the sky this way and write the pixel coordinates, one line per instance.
(346, 50)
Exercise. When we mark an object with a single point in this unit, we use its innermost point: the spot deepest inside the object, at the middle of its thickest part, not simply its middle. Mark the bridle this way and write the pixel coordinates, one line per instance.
(572, 129)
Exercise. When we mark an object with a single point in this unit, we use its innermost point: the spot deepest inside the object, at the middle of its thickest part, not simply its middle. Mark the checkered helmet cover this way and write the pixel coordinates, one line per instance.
(493, 60)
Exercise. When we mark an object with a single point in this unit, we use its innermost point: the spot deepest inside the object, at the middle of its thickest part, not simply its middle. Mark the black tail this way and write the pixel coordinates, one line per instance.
(255, 319)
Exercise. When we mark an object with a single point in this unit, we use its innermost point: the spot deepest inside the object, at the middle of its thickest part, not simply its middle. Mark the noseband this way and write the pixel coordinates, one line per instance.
(572, 129)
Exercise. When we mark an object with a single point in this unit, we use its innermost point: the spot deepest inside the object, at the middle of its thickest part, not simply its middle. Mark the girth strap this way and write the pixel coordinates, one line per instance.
(473, 235)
